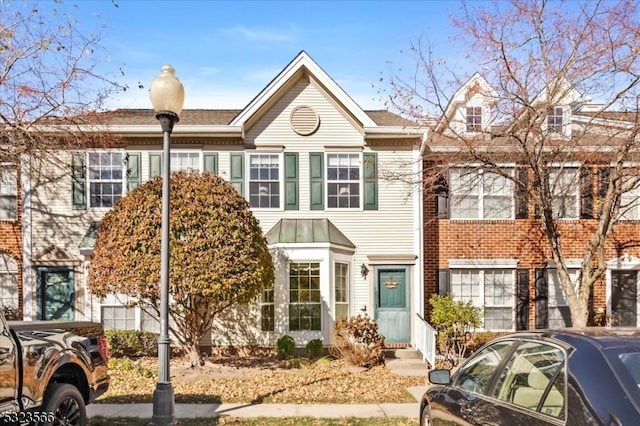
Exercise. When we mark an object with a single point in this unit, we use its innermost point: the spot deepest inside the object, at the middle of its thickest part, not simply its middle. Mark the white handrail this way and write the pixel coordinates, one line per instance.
(426, 340)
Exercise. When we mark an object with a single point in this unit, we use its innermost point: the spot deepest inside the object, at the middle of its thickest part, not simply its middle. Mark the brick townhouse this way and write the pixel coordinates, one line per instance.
(484, 239)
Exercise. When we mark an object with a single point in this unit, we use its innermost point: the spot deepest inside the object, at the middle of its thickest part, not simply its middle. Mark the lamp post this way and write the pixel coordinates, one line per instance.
(167, 98)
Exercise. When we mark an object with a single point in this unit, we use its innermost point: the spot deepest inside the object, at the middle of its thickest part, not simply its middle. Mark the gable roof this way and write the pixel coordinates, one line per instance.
(301, 65)
(476, 84)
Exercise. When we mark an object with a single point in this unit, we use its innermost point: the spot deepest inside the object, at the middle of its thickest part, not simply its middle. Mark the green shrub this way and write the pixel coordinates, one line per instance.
(286, 347)
(454, 320)
(131, 343)
(315, 348)
(357, 340)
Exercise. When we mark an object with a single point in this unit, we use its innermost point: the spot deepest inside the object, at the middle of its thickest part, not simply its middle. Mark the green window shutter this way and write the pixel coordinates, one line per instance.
(291, 181)
(78, 181)
(133, 170)
(210, 162)
(237, 171)
(155, 164)
(316, 174)
(370, 172)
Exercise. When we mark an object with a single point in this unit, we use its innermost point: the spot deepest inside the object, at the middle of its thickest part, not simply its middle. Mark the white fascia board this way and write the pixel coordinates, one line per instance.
(395, 131)
(303, 60)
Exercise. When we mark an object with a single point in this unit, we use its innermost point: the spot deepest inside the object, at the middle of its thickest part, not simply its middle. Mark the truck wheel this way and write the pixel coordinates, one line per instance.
(66, 404)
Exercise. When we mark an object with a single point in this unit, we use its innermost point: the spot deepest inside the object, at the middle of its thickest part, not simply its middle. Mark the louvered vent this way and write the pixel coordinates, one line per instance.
(304, 120)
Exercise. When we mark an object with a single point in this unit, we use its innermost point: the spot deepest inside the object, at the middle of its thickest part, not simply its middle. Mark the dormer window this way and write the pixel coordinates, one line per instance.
(554, 120)
(474, 119)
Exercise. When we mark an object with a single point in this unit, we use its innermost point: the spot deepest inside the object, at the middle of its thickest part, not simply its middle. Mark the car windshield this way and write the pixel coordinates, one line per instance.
(626, 362)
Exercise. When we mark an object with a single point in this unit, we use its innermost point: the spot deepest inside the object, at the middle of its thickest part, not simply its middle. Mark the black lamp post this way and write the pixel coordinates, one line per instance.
(167, 97)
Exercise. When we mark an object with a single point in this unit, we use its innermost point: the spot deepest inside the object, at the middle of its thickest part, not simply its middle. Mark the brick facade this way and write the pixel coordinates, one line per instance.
(516, 239)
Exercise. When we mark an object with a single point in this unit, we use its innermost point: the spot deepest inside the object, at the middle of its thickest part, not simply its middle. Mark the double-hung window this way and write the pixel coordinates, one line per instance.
(185, 161)
(565, 190)
(630, 200)
(304, 296)
(477, 194)
(474, 119)
(8, 192)
(341, 282)
(343, 180)
(8, 283)
(105, 174)
(267, 309)
(488, 289)
(264, 180)
(558, 307)
(554, 120)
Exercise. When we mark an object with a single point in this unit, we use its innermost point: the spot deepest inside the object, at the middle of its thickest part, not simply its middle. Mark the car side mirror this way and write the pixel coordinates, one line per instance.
(440, 376)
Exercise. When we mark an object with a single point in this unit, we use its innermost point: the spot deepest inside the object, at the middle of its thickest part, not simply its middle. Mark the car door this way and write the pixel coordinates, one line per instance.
(530, 387)
(464, 401)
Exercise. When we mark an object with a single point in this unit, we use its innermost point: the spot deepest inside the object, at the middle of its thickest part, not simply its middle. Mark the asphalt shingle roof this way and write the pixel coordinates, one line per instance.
(223, 117)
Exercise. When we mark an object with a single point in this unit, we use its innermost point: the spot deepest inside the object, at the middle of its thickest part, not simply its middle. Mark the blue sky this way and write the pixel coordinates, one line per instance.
(225, 52)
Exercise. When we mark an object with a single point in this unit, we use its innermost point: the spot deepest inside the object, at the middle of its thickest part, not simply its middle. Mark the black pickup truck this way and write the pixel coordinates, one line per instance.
(50, 370)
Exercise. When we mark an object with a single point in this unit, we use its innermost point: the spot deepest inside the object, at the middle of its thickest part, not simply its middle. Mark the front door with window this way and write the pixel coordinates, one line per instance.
(56, 294)
(392, 305)
(624, 298)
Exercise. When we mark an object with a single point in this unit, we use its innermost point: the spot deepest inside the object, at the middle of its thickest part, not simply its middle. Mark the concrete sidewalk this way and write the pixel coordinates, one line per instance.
(409, 410)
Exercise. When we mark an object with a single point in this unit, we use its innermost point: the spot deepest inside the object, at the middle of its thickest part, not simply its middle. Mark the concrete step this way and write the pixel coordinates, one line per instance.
(403, 353)
(406, 362)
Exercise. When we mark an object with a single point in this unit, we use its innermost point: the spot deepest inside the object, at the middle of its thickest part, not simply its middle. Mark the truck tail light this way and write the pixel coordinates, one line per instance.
(104, 348)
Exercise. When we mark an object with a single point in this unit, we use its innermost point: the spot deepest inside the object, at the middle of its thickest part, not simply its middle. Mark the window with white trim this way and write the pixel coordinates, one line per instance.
(304, 296)
(489, 289)
(558, 311)
(267, 309)
(8, 192)
(474, 119)
(8, 282)
(555, 120)
(105, 178)
(565, 190)
(116, 315)
(630, 200)
(476, 194)
(343, 180)
(185, 161)
(341, 282)
(264, 180)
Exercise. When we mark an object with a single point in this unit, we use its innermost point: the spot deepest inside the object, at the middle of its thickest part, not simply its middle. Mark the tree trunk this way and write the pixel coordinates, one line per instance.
(193, 349)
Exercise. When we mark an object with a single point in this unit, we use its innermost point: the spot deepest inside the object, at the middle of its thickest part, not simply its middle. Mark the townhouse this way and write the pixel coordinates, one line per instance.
(483, 233)
(333, 187)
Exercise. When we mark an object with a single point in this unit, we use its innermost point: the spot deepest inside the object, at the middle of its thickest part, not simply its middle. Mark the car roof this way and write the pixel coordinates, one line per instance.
(601, 337)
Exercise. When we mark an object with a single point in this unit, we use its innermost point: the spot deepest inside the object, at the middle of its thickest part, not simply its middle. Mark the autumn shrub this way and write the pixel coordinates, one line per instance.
(286, 347)
(131, 343)
(357, 340)
(315, 348)
(454, 320)
(480, 338)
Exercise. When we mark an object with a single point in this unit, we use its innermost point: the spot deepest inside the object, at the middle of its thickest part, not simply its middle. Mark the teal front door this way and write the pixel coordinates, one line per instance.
(56, 294)
(392, 305)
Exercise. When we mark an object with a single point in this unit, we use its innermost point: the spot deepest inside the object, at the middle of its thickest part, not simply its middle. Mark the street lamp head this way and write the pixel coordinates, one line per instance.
(167, 93)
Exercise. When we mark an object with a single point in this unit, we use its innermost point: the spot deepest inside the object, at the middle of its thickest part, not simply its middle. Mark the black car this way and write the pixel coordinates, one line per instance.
(579, 377)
